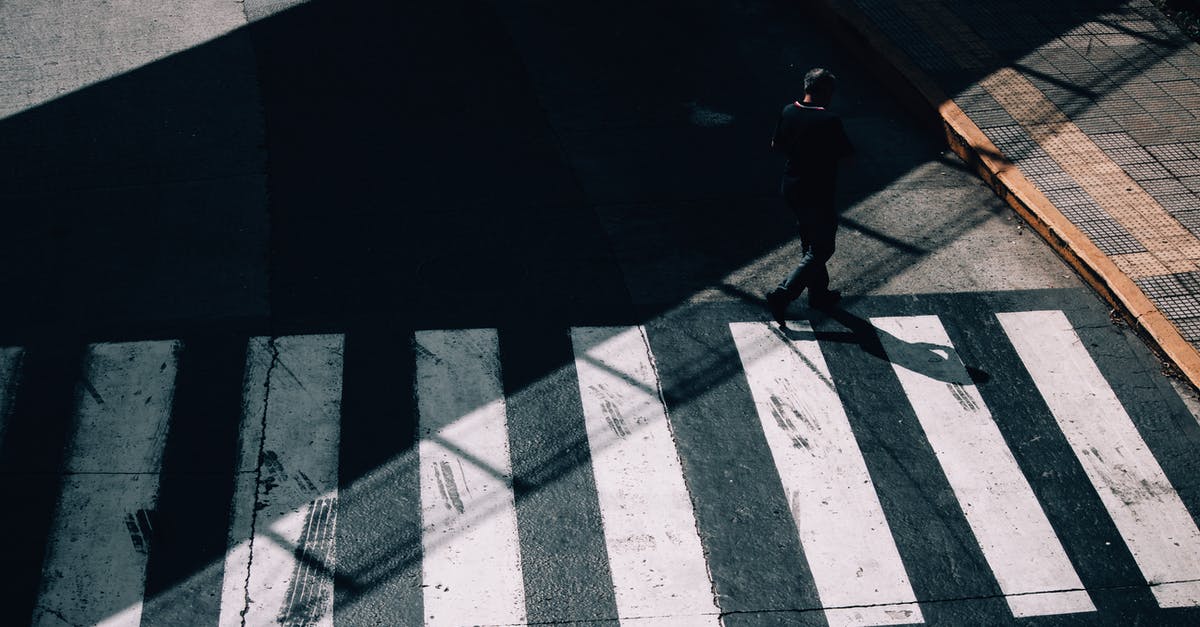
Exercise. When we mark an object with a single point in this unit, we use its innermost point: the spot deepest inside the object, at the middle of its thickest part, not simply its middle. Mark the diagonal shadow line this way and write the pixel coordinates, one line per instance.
(617, 373)
(859, 227)
(790, 337)
(1146, 37)
(1058, 82)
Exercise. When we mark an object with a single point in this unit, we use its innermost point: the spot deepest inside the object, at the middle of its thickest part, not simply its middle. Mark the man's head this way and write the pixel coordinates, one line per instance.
(818, 86)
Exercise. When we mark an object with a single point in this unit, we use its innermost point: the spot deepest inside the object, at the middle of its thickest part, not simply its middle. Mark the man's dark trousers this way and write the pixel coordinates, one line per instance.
(818, 233)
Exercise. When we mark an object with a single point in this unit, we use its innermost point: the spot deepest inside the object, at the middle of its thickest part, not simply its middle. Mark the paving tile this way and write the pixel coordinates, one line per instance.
(1181, 87)
(1147, 171)
(990, 118)
(1099, 54)
(1104, 124)
(1189, 328)
(1142, 89)
(1180, 203)
(1082, 72)
(1038, 63)
(1017, 152)
(1183, 169)
(977, 101)
(1038, 166)
(1040, 112)
(1111, 238)
(1156, 133)
(1118, 104)
(1182, 59)
(1164, 236)
(1176, 117)
(1128, 156)
(1170, 152)
(1010, 137)
(1142, 264)
(1191, 182)
(1073, 197)
(1158, 104)
(1164, 72)
(1118, 39)
(1139, 53)
(1075, 99)
(1190, 102)
(1168, 285)
(1064, 56)
(1082, 41)
(1083, 213)
(1179, 265)
(1053, 181)
(1186, 306)
(1139, 26)
(1114, 140)
(1092, 111)
(1164, 187)
(1191, 221)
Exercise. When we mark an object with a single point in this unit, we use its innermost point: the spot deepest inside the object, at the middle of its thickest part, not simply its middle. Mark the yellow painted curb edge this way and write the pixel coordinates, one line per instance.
(973, 146)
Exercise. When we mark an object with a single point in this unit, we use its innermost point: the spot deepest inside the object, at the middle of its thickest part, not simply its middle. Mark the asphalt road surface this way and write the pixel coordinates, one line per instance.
(367, 313)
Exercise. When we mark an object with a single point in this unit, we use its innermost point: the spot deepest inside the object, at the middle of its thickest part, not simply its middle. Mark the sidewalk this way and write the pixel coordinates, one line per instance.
(1085, 116)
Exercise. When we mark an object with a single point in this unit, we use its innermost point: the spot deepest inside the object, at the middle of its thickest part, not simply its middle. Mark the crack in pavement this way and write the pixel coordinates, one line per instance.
(982, 597)
(262, 444)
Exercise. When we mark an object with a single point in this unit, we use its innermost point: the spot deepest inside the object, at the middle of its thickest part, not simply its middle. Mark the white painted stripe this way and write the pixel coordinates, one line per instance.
(95, 567)
(10, 374)
(654, 550)
(1144, 506)
(846, 537)
(285, 501)
(1024, 552)
(472, 564)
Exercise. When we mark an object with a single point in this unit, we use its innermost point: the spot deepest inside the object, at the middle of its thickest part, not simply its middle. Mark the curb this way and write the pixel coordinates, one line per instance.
(923, 95)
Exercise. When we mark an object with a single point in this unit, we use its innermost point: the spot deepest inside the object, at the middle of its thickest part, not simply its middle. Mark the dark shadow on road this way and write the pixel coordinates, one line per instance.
(932, 360)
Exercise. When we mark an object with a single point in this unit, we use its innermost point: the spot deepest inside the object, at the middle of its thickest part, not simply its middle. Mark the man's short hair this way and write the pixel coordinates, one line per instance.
(819, 81)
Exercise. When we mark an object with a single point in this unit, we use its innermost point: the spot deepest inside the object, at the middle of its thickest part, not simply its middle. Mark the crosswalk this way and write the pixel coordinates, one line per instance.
(1148, 512)
(286, 519)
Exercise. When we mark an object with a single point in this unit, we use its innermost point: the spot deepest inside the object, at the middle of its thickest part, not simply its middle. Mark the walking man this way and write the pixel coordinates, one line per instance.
(814, 141)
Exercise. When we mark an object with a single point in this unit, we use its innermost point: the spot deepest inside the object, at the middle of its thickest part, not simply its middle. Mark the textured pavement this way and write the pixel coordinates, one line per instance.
(1095, 103)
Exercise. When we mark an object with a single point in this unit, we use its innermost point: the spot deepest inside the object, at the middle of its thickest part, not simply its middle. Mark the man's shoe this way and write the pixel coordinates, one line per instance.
(777, 302)
(824, 300)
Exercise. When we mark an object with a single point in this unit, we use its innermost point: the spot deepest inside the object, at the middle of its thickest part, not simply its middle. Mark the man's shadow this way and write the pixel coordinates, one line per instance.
(932, 360)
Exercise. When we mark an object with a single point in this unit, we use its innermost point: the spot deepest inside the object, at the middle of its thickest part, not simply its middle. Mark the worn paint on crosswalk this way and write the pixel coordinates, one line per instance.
(95, 567)
(472, 563)
(1160, 533)
(1023, 550)
(846, 538)
(282, 558)
(654, 551)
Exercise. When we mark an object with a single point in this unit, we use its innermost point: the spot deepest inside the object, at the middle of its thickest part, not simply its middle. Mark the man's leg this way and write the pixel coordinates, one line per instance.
(793, 285)
(823, 244)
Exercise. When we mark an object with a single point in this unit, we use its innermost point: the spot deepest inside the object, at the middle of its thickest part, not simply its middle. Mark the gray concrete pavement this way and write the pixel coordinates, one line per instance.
(359, 172)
